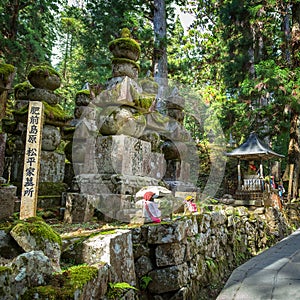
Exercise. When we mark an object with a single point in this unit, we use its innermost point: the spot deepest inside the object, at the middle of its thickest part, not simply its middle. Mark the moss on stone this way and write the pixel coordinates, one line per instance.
(5, 71)
(126, 44)
(125, 61)
(106, 232)
(6, 226)
(78, 276)
(159, 118)
(65, 284)
(145, 100)
(52, 188)
(21, 90)
(46, 292)
(23, 86)
(43, 70)
(38, 228)
(55, 112)
(125, 33)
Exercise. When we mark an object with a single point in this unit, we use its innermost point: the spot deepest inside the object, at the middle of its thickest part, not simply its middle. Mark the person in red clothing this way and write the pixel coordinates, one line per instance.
(150, 209)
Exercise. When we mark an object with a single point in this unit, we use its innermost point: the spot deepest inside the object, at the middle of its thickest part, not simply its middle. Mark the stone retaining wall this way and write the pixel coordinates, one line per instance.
(188, 258)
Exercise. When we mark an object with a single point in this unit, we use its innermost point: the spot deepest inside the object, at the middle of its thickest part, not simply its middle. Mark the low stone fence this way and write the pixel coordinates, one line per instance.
(191, 258)
(187, 258)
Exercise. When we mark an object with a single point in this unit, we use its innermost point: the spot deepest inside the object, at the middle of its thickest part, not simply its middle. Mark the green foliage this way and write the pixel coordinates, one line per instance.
(24, 42)
(212, 266)
(83, 92)
(144, 282)
(116, 290)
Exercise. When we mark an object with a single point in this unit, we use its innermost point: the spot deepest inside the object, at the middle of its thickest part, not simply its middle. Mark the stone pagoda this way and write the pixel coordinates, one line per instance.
(121, 144)
(41, 85)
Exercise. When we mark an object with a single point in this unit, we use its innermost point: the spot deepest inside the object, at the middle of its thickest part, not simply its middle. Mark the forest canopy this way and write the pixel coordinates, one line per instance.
(241, 57)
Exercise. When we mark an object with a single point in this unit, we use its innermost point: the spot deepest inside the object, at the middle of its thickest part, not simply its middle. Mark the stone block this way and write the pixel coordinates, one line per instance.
(143, 266)
(174, 233)
(48, 202)
(115, 249)
(79, 208)
(176, 185)
(122, 91)
(248, 202)
(31, 269)
(51, 138)
(117, 120)
(122, 154)
(177, 132)
(116, 207)
(52, 166)
(175, 101)
(157, 123)
(91, 184)
(38, 235)
(169, 254)
(107, 184)
(126, 184)
(7, 200)
(168, 279)
(157, 166)
(177, 171)
(8, 246)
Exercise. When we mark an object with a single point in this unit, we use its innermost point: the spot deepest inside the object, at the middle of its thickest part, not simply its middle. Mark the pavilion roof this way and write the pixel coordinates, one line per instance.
(254, 149)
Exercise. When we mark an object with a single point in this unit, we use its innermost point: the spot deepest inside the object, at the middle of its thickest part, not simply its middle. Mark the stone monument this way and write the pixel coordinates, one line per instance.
(121, 145)
(43, 81)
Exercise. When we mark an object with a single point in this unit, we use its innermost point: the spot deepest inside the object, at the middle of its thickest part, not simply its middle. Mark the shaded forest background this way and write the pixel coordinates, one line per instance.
(240, 57)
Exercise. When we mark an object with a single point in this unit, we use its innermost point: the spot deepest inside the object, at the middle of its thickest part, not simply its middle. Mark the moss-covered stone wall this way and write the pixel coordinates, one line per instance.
(188, 258)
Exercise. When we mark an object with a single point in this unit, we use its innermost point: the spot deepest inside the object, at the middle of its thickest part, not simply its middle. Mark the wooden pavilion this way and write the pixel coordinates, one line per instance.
(252, 186)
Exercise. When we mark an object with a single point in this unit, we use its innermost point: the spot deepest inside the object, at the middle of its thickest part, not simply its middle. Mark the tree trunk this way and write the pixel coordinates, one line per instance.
(294, 147)
(160, 62)
(293, 157)
(286, 45)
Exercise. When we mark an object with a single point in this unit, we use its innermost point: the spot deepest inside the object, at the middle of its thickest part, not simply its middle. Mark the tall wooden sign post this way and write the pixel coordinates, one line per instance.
(32, 160)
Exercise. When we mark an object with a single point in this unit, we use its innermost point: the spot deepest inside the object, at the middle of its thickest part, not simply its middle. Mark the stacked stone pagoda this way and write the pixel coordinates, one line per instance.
(126, 145)
(41, 84)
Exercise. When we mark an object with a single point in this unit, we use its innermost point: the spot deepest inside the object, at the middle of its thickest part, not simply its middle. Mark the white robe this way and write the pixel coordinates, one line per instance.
(153, 209)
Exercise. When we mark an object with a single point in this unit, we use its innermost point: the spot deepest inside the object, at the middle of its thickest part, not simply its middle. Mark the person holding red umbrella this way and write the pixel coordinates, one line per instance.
(150, 208)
